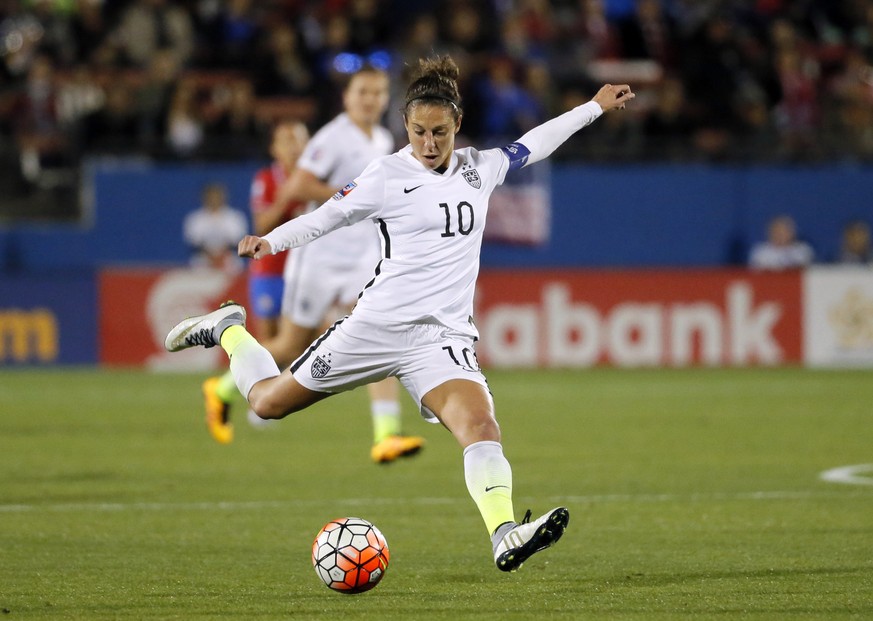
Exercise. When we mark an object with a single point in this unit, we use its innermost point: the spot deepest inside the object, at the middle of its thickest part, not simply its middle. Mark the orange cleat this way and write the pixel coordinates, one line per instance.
(393, 447)
(217, 413)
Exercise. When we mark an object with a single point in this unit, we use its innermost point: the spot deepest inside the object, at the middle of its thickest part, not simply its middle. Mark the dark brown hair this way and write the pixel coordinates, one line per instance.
(435, 82)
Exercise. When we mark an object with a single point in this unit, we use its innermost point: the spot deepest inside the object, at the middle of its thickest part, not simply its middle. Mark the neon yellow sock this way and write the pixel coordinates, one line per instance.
(496, 508)
(489, 481)
(233, 337)
(386, 419)
(226, 387)
(250, 363)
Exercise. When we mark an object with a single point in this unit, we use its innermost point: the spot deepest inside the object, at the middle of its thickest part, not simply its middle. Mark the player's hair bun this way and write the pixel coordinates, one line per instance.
(435, 81)
(436, 67)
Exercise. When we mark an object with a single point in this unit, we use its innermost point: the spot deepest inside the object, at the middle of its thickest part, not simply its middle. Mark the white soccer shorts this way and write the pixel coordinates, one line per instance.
(355, 352)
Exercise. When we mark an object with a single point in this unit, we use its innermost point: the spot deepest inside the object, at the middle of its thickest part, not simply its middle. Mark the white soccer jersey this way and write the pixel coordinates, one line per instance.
(431, 226)
(336, 154)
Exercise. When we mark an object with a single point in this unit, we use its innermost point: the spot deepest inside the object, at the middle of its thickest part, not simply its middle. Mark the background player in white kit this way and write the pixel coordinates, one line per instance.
(414, 319)
(332, 271)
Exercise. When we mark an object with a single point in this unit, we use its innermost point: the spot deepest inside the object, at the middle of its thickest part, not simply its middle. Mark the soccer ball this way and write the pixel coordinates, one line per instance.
(350, 555)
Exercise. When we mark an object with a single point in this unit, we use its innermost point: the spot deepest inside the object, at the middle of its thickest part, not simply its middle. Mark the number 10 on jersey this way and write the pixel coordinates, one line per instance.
(465, 219)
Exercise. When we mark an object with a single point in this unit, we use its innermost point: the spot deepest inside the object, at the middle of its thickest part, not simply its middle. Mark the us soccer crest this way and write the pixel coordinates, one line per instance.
(320, 367)
(472, 177)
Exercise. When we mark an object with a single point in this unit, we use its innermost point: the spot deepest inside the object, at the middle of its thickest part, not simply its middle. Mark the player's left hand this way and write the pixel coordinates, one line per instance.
(254, 247)
(612, 96)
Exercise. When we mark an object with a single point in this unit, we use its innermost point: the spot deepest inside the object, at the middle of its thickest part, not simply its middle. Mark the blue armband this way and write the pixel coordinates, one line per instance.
(517, 154)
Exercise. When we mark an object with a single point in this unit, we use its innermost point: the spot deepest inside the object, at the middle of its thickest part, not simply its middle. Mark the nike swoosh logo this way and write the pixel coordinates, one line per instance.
(488, 489)
(408, 190)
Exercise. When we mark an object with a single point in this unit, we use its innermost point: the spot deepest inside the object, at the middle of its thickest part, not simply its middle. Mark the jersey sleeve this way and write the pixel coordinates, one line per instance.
(319, 156)
(496, 164)
(540, 142)
(364, 197)
(359, 200)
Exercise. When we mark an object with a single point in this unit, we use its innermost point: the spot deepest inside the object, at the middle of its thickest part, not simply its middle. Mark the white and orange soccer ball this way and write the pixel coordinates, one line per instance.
(350, 555)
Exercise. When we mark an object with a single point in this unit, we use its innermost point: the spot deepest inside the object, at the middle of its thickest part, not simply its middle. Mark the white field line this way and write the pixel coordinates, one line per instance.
(282, 504)
(849, 475)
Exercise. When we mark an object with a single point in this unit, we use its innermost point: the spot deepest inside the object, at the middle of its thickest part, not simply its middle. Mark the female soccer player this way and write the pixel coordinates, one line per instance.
(414, 319)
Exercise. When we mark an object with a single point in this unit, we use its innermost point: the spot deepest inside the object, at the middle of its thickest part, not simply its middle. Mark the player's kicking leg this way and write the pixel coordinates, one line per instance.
(271, 394)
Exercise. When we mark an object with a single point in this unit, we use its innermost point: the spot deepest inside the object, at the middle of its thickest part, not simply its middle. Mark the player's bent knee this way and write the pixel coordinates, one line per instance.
(263, 402)
(484, 427)
(280, 397)
(473, 425)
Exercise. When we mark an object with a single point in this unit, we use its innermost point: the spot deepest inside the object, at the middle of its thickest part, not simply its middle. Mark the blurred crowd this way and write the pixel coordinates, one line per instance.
(717, 80)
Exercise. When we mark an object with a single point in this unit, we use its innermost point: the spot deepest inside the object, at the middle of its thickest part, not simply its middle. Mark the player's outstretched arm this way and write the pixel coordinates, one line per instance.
(540, 142)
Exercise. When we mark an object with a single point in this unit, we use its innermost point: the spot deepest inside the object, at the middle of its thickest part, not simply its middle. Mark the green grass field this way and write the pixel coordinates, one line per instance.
(693, 494)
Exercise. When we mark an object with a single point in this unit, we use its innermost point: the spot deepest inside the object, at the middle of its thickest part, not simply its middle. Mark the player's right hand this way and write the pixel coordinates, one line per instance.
(612, 96)
(254, 247)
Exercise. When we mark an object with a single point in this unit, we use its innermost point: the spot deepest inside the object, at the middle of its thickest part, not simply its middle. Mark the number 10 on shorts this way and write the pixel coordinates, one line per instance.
(464, 357)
